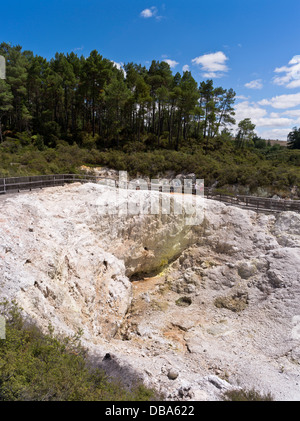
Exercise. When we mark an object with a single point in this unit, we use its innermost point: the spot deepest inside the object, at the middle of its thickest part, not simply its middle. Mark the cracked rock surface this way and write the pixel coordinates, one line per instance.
(193, 309)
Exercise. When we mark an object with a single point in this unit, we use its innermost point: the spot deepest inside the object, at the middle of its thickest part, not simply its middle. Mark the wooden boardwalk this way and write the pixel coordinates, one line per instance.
(258, 204)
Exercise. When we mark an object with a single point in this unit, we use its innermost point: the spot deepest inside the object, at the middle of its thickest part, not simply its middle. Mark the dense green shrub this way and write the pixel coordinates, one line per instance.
(46, 367)
(242, 395)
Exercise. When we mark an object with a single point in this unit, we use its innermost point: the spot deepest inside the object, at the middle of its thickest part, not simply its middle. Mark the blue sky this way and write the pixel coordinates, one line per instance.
(251, 46)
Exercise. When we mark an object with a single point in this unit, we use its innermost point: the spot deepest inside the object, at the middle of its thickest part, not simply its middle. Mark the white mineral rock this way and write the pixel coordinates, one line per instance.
(67, 255)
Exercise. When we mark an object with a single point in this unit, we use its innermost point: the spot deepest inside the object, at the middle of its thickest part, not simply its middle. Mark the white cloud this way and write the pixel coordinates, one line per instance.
(171, 63)
(290, 74)
(264, 102)
(212, 75)
(246, 109)
(241, 97)
(213, 65)
(78, 48)
(295, 60)
(259, 116)
(273, 125)
(292, 113)
(282, 101)
(294, 84)
(254, 84)
(274, 122)
(274, 134)
(186, 68)
(149, 13)
(275, 115)
(119, 66)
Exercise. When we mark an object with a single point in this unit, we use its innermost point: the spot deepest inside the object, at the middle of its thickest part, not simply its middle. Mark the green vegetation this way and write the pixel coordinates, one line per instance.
(39, 367)
(236, 303)
(274, 169)
(184, 302)
(69, 96)
(70, 111)
(245, 133)
(242, 395)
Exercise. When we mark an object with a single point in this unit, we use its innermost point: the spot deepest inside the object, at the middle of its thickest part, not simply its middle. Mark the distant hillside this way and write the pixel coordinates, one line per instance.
(278, 142)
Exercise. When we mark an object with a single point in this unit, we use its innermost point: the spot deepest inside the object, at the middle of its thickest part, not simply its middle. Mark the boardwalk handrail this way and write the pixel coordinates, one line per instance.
(260, 204)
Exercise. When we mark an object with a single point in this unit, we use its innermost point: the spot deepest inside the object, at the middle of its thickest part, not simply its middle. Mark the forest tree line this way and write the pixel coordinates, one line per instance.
(70, 95)
(59, 114)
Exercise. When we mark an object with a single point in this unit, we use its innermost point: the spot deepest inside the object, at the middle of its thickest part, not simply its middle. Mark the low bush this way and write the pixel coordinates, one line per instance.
(47, 367)
(242, 395)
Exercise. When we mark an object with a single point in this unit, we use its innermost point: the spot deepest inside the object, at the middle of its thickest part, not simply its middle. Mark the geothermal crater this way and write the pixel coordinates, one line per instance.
(194, 309)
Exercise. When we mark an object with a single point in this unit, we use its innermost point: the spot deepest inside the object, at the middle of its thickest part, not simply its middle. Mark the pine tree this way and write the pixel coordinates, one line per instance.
(246, 132)
(117, 94)
(225, 111)
(293, 139)
(70, 97)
